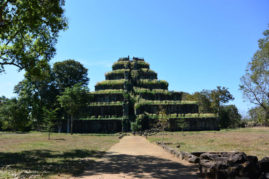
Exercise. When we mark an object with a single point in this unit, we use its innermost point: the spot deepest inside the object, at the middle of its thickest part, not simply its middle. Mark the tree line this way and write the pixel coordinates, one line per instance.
(42, 103)
(213, 101)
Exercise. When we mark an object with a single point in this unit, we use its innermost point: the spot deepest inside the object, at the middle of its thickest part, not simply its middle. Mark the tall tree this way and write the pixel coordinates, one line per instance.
(68, 73)
(258, 115)
(255, 83)
(28, 32)
(36, 93)
(74, 100)
(50, 117)
(203, 98)
(219, 96)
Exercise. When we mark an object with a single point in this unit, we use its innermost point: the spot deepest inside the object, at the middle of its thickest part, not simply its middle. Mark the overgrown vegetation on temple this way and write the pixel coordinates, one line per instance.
(131, 98)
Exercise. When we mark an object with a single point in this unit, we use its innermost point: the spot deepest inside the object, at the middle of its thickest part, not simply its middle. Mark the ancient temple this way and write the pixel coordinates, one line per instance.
(132, 91)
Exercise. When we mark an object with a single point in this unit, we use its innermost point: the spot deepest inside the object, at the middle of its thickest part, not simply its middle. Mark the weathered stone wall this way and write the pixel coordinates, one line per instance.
(111, 110)
(161, 96)
(115, 76)
(193, 124)
(152, 85)
(109, 86)
(213, 165)
(146, 75)
(107, 97)
(169, 108)
(94, 126)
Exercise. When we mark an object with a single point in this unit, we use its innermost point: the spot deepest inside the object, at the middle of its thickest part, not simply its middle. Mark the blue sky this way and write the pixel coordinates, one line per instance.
(193, 44)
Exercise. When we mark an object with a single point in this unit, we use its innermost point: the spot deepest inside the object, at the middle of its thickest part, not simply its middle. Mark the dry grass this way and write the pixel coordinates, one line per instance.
(32, 155)
(252, 141)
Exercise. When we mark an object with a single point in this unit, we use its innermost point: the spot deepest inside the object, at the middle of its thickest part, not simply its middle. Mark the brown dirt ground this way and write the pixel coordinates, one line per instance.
(136, 157)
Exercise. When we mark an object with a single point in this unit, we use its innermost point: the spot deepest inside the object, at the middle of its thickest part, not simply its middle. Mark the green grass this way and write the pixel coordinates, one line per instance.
(112, 103)
(146, 90)
(32, 155)
(103, 118)
(108, 91)
(153, 82)
(141, 64)
(143, 102)
(123, 64)
(252, 141)
(153, 91)
(188, 115)
(120, 64)
(117, 72)
(111, 82)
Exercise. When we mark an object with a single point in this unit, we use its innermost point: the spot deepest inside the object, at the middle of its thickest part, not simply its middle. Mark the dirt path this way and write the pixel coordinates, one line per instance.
(136, 157)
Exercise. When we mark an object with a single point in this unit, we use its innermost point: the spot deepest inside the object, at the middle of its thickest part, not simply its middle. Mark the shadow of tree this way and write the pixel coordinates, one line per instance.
(141, 166)
(75, 162)
(46, 162)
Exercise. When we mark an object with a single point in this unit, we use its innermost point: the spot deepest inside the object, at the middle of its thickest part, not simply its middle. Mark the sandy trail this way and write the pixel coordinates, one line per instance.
(136, 157)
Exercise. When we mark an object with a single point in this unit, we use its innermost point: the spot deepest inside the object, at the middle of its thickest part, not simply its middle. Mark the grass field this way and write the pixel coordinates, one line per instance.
(32, 155)
(252, 141)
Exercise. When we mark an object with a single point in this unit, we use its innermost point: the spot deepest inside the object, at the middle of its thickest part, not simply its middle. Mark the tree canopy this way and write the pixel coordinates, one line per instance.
(68, 73)
(74, 100)
(255, 83)
(28, 32)
(213, 101)
(14, 116)
(40, 94)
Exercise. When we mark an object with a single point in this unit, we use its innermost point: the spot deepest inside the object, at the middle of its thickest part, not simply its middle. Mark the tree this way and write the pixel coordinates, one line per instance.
(255, 83)
(220, 96)
(50, 116)
(258, 115)
(3, 99)
(41, 92)
(163, 121)
(74, 100)
(37, 93)
(210, 100)
(203, 98)
(28, 32)
(68, 73)
(229, 117)
(14, 116)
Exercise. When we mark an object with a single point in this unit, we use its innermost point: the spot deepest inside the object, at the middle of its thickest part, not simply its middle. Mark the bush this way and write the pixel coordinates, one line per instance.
(14, 116)
(229, 117)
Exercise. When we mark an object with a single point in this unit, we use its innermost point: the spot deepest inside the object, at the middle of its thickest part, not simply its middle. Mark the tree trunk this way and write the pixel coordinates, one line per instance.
(49, 134)
(59, 127)
(68, 125)
(71, 125)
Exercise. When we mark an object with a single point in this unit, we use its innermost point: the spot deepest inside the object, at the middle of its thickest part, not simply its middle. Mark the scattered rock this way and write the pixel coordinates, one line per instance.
(264, 164)
(224, 164)
(197, 154)
(228, 165)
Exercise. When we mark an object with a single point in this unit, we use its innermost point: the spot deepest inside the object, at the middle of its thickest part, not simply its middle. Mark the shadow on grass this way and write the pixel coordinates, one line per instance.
(75, 162)
(47, 162)
(59, 139)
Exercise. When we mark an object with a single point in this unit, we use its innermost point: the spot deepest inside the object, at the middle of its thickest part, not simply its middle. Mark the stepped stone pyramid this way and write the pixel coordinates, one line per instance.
(131, 91)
